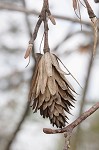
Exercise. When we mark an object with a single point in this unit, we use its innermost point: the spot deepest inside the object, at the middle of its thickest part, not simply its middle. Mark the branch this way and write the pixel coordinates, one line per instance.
(70, 127)
(13, 7)
(26, 111)
(10, 141)
(96, 1)
(83, 100)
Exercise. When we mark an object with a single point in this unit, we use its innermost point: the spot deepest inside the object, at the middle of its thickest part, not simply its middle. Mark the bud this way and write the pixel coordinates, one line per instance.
(52, 19)
(28, 51)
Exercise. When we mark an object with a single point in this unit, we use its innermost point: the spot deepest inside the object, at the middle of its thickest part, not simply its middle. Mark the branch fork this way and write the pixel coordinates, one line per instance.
(45, 13)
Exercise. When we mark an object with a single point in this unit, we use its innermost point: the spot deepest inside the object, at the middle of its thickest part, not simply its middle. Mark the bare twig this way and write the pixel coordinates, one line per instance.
(26, 111)
(70, 127)
(13, 7)
(10, 141)
(27, 20)
(90, 64)
(96, 1)
(67, 140)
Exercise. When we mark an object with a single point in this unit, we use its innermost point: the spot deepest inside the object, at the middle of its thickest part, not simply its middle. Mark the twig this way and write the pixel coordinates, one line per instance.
(25, 113)
(75, 123)
(10, 141)
(42, 18)
(27, 20)
(96, 1)
(67, 140)
(13, 7)
(90, 64)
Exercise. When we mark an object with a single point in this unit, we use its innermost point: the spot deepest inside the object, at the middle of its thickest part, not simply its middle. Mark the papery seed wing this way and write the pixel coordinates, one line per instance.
(63, 93)
(56, 113)
(68, 83)
(47, 95)
(34, 87)
(38, 88)
(44, 105)
(70, 94)
(51, 100)
(48, 63)
(43, 76)
(35, 77)
(52, 85)
(57, 123)
(50, 114)
(41, 99)
(52, 107)
(38, 57)
(56, 64)
(62, 120)
(59, 80)
(59, 108)
(40, 69)
(33, 83)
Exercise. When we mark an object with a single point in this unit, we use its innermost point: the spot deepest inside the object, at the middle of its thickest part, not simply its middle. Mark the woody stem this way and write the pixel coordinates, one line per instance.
(46, 45)
(46, 8)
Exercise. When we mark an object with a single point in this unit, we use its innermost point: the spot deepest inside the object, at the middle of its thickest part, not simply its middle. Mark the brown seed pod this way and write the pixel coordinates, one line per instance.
(50, 91)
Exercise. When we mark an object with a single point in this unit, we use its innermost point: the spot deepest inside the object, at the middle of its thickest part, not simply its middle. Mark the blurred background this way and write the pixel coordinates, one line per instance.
(20, 129)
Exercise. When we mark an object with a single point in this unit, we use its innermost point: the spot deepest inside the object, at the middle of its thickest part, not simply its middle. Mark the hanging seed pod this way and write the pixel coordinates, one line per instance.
(50, 91)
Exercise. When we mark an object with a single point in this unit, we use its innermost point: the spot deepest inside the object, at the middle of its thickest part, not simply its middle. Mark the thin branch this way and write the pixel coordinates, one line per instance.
(90, 64)
(75, 123)
(13, 7)
(26, 111)
(10, 141)
(27, 20)
(96, 1)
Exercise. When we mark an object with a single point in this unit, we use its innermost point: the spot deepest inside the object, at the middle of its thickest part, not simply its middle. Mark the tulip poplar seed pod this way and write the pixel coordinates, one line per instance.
(50, 91)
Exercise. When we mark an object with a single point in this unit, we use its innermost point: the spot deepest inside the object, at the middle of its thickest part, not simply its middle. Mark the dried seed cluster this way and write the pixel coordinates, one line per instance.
(50, 91)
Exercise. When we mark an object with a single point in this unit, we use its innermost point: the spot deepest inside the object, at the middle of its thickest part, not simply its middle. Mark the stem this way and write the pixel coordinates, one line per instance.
(75, 123)
(46, 45)
(77, 139)
(46, 8)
